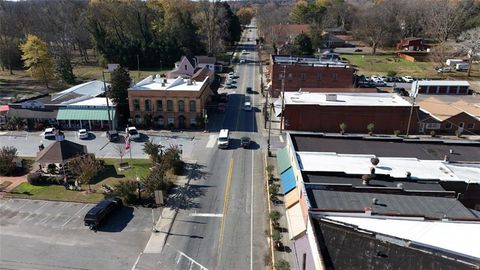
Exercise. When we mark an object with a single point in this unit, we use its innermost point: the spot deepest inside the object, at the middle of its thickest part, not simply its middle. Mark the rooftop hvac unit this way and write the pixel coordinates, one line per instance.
(189, 82)
(331, 97)
(157, 76)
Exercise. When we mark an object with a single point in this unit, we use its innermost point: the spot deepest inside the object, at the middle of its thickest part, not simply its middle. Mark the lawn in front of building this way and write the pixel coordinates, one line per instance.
(109, 176)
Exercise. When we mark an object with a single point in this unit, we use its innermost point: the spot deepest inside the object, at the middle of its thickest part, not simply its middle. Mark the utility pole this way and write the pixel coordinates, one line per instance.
(106, 97)
(265, 113)
(411, 108)
(269, 130)
(138, 66)
(283, 99)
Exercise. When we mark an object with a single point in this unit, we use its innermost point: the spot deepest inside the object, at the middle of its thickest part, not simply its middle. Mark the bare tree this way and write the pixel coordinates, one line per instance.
(270, 15)
(210, 16)
(440, 53)
(85, 168)
(470, 43)
(120, 149)
(444, 18)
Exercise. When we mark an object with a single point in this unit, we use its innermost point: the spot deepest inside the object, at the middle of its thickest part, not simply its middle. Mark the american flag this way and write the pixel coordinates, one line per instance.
(127, 142)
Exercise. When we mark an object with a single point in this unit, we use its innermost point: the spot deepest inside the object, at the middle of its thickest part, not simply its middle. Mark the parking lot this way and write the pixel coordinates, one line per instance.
(27, 142)
(51, 235)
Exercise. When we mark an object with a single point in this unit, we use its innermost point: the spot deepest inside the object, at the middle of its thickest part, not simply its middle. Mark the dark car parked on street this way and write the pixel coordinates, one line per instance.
(99, 212)
(245, 142)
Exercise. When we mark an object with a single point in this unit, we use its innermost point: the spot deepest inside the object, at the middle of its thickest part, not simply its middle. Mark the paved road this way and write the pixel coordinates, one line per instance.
(48, 235)
(221, 224)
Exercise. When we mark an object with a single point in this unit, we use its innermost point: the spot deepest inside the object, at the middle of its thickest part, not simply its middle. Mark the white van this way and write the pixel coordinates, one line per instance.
(462, 66)
(223, 138)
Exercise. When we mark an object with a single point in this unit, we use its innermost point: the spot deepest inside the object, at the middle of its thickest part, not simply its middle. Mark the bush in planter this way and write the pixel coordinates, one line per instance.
(282, 265)
(343, 128)
(432, 133)
(370, 128)
(397, 132)
(274, 217)
(458, 133)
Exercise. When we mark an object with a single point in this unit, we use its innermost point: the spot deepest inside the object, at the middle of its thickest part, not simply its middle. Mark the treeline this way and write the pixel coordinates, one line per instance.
(376, 22)
(157, 31)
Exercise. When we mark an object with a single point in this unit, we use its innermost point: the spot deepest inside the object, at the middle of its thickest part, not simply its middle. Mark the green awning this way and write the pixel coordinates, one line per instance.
(85, 114)
(283, 161)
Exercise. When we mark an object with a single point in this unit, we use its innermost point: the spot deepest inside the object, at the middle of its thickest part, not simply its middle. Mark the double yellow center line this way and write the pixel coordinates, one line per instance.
(225, 207)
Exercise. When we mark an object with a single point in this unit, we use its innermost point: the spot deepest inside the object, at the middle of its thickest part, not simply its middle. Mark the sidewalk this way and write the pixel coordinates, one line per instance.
(284, 252)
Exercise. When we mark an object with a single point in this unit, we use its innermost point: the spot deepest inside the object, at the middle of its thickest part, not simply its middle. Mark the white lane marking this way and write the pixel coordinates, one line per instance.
(252, 196)
(74, 215)
(212, 139)
(205, 215)
(136, 261)
(281, 138)
(192, 261)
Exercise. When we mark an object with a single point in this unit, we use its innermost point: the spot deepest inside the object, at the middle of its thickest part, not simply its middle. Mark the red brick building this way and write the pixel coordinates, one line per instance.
(439, 87)
(449, 114)
(412, 44)
(322, 112)
(308, 72)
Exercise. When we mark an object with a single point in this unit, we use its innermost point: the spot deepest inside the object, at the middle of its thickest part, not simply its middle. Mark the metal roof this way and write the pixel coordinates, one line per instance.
(84, 114)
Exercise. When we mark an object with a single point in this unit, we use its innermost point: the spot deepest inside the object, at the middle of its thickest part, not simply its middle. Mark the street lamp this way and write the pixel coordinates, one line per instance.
(205, 119)
(139, 188)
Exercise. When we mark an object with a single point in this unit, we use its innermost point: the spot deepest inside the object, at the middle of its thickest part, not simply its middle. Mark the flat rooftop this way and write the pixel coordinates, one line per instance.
(163, 84)
(378, 182)
(307, 60)
(345, 99)
(461, 238)
(442, 83)
(394, 167)
(425, 150)
(388, 204)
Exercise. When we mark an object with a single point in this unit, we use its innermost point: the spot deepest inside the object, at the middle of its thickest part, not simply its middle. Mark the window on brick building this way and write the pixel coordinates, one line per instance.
(159, 106)
(181, 106)
(319, 76)
(280, 76)
(334, 76)
(448, 125)
(170, 105)
(302, 76)
(193, 106)
(136, 105)
(471, 125)
(148, 105)
(289, 76)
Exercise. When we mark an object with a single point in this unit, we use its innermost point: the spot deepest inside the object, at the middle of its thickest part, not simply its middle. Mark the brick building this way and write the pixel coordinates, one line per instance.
(412, 44)
(439, 87)
(168, 103)
(324, 112)
(308, 72)
(449, 114)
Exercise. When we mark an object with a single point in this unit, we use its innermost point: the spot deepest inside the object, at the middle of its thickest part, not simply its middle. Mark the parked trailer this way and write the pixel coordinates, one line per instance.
(462, 67)
(453, 62)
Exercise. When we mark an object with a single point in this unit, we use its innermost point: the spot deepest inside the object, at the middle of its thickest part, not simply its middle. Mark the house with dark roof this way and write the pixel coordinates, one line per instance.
(360, 185)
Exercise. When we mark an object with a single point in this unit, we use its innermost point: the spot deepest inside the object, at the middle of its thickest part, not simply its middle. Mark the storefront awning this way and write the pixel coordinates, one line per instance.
(296, 223)
(283, 162)
(85, 114)
(4, 108)
(291, 198)
(288, 181)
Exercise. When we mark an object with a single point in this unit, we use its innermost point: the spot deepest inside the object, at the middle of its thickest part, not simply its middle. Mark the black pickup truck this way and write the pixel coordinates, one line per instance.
(99, 212)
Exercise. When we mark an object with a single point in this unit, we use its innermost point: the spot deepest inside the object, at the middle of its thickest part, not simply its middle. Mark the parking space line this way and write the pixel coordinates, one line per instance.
(41, 206)
(25, 203)
(136, 261)
(74, 215)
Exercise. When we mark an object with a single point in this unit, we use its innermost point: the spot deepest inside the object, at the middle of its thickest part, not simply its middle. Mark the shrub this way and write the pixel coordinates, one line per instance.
(274, 217)
(397, 132)
(8, 154)
(276, 235)
(370, 128)
(178, 167)
(282, 265)
(432, 133)
(343, 127)
(35, 178)
(458, 133)
(273, 189)
(126, 190)
(391, 73)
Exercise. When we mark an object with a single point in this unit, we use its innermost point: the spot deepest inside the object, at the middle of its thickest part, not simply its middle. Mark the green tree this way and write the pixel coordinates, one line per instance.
(302, 45)
(37, 58)
(171, 159)
(64, 69)
(234, 27)
(153, 150)
(118, 93)
(7, 156)
(157, 179)
(275, 217)
(125, 190)
(307, 13)
(84, 168)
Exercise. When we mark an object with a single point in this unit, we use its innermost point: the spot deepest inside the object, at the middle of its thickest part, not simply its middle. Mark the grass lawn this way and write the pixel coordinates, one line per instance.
(109, 176)
(92, 72)
(380, 64)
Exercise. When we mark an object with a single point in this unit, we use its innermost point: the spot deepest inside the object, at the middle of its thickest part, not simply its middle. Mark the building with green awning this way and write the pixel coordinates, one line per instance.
(91, 114)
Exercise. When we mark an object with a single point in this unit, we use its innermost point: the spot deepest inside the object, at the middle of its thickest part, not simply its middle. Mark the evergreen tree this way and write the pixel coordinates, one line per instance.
(37, 58)
(302, 45)
(64, 70)
(118, 93)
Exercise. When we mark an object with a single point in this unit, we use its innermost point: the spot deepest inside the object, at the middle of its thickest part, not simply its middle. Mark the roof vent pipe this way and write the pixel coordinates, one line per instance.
(375, 201)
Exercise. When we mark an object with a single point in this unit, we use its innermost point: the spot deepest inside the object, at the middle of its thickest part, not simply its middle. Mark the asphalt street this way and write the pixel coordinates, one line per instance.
(221, 223)
(47, 235)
